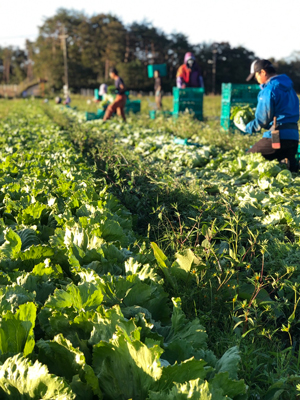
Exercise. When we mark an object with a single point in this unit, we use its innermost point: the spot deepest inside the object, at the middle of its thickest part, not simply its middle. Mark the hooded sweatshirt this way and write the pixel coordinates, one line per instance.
(276, 99)
(189, 77)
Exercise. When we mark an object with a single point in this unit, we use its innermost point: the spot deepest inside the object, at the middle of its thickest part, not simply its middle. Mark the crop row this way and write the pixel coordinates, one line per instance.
(84, 309)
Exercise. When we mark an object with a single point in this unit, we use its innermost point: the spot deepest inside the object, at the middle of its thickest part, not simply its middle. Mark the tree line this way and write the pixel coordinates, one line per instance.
(95, 43)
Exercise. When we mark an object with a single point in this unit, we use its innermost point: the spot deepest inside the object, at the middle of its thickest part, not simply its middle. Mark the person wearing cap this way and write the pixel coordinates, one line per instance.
(277, 98)
(120, 101)
(189, 74)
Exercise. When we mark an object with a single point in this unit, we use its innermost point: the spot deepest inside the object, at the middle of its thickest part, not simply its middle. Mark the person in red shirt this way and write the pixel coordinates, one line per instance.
(119, 103)
(189, 74)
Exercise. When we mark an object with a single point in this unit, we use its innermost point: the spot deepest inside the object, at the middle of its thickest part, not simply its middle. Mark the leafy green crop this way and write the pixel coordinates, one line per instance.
(86, 311)
(135, 267)
(244, 113)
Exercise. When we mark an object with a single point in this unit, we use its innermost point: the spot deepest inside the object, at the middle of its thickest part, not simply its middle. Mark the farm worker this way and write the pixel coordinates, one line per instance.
(189, 74)
(103, 89)
(68, 100)
(119, 103)
(277, 98)
(157, 89)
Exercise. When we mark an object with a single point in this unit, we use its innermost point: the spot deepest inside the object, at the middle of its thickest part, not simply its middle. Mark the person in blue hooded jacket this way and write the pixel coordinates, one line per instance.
(277, 98)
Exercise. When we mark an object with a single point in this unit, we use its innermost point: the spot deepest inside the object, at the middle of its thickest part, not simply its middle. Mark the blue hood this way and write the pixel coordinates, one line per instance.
(276, 99)
(281, 82)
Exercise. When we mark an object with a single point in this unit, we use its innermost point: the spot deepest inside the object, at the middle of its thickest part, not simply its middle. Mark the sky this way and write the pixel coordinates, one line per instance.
(270, 28)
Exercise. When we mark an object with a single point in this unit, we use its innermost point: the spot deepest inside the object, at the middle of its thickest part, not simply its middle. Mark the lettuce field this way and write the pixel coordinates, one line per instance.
(152, 260)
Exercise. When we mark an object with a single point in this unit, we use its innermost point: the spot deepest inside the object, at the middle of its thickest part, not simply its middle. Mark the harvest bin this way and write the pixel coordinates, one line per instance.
(162, 68)
(96, 94)
(156, 113)
(133, 106)
(89, 116)
(234, 94)
(298, 153)
(190, 99)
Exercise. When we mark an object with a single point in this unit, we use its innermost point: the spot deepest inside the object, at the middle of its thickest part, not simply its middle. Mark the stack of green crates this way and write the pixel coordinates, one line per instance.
(96, 94)
(298, 153)
(89, 116)
(234, 94)
(154, 114)
(190, 99)
(133, 106)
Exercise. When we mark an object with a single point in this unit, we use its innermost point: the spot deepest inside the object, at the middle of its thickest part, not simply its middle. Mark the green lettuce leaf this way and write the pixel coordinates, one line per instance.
(16, 330)
(12, 245)
(229, 362)
(126, 368)
(86, 296)
(22, 380)
(193, 389)
(11, 297)
(64, 360)
(180, 373)
(183, 338)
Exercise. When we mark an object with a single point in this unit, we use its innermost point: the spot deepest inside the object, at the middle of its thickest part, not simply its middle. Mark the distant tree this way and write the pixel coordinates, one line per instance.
(292, 69)
(95, 43)
(13, 65)
(232, 64)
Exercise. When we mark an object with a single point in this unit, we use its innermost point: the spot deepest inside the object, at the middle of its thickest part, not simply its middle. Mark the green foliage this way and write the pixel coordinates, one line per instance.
(16, 330)
(20, 379)
(64, 360)
(139, 268)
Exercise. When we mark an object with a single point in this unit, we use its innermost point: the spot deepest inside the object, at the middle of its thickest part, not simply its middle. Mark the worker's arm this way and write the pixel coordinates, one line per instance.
(122, 88)
(264, 112)
(201, 82)
(180, 82)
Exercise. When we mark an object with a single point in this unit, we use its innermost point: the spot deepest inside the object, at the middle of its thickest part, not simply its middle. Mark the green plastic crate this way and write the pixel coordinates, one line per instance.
(101, 112)
(153, 113)
(240, 93)
(89, 116)
(190, 99)
(226, 123)
(298, 153)
(162, 68)
(181, 106)
(198, 115)
(133, 106)
(234, 94)
(225, 109)
(188, 94)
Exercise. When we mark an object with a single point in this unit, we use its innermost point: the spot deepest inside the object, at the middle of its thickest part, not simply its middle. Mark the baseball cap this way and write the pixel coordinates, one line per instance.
(257, 66)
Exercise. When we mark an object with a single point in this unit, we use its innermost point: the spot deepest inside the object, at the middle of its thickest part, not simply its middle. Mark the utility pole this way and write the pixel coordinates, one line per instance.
(63, 38)
(29, 61)
(127, 48)
(214, 67)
